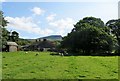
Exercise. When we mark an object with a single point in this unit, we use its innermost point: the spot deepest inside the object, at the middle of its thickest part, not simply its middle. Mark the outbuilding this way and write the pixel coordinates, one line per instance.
(11, 46)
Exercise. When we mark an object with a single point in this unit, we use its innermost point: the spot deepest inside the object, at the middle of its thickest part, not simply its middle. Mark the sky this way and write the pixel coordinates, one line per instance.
(39, 19)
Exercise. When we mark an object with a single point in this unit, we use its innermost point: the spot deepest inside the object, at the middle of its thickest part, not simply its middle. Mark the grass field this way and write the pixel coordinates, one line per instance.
(18, 65)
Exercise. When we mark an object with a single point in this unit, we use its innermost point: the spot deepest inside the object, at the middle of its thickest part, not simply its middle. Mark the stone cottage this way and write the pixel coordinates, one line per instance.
(11, 46)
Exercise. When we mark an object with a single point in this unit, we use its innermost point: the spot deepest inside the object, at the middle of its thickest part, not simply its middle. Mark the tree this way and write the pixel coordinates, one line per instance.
(89, 37)
(3, 22)
(14, 37)
(5, 32)
(23, 42)
(97, 22)
(5, 35)
(115, 29)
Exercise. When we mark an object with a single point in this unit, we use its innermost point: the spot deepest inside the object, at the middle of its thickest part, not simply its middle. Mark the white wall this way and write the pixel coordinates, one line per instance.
(12, 48)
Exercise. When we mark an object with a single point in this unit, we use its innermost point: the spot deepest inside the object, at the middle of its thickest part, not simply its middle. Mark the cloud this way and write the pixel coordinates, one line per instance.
(62, 26)
(37, 11)
(27, 25)
(66, 23)
(51, 17)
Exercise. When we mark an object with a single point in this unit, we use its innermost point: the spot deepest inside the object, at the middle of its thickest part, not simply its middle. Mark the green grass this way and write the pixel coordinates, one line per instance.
(18, 65)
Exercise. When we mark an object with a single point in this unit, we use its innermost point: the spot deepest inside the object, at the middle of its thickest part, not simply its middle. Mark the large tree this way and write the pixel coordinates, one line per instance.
(115, 26)
(14, 36)
(3, 22)
(3, 31)
(89, 36)
(97, 22)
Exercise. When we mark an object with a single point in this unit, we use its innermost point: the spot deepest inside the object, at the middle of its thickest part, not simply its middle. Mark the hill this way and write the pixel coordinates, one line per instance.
(52, 37)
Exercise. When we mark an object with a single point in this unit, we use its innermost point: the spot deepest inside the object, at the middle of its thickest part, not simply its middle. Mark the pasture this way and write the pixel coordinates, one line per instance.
(21, 65)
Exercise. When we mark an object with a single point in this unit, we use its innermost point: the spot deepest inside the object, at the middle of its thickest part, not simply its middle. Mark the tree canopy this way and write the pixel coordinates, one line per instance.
(115, 29)
(3, 22)
(89, 35)
(4, 32)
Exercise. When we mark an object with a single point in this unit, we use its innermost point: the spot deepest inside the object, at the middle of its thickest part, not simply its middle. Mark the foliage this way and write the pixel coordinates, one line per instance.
(115, 29)
(23, 42)
(97, 22)
(5, 36)
(89, 36)
(5, 32)
(15, 36)
(3, 22)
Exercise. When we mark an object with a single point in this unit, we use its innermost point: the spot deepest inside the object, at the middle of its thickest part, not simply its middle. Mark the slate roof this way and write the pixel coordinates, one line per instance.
(12, 43)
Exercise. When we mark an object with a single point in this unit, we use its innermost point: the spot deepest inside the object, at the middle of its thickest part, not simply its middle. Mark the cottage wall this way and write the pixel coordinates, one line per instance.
(12, 48)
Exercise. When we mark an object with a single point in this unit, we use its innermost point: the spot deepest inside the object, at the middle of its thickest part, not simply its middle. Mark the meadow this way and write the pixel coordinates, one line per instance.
(21, 65)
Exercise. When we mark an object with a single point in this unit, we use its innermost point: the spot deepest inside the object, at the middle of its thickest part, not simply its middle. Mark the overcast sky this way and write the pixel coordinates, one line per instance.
(38, 19)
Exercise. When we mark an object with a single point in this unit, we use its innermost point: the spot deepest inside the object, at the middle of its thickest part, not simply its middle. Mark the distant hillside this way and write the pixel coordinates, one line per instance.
(52, 37)
(32, 40)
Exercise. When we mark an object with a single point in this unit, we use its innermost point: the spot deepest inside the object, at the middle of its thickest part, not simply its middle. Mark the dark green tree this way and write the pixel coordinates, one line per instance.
(4, 37)
(23, 42)
(3, 22)
(115, 29)
(14, 36)
(89, 37)
(97, 22)
(3, 31)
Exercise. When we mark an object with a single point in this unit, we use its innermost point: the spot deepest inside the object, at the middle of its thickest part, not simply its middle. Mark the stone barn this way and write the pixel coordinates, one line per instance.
(45, 45)
(11, 46)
